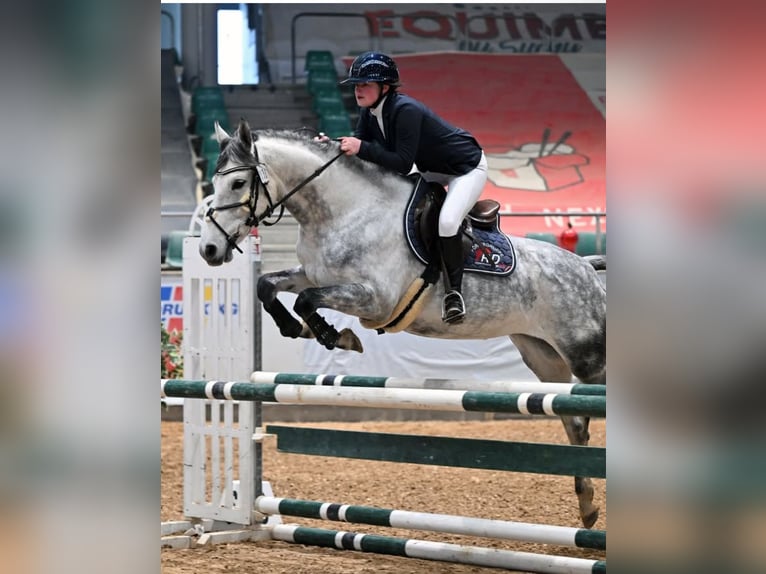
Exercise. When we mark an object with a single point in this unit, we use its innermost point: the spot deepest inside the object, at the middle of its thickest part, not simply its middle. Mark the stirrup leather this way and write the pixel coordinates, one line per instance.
(453, 307)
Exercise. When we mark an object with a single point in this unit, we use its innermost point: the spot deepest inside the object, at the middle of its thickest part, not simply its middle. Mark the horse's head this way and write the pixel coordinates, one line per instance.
(240, 197)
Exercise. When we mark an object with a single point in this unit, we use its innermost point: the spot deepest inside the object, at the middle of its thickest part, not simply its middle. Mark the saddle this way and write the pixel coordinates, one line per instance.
(486, 249)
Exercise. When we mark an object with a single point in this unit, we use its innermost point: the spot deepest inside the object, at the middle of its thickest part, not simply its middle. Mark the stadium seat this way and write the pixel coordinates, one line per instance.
(326, 101)
(211, 158)
(174, 254)
(321, 80)
(209, 145)
(319, 60)
(207, 97)
(549, 237)
(205, 122)
(335, 125)
(587, 245)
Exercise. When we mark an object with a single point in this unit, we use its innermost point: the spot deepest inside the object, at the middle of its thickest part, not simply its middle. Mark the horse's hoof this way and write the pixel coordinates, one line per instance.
(590, 519)
(306, 332)
(349, 341)
(293, 330)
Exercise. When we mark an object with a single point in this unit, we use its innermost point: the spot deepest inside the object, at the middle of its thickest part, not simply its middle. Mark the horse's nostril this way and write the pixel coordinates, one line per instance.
(210, 250)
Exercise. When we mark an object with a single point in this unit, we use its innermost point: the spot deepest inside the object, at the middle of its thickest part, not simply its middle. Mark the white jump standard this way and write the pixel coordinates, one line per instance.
(260, 513)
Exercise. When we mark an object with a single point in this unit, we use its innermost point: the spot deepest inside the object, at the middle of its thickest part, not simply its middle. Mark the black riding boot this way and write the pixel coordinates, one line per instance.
(453, 306)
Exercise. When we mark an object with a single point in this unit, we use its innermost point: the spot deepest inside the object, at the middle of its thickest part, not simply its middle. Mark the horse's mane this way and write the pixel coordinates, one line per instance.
(327, 150)
(233, 149)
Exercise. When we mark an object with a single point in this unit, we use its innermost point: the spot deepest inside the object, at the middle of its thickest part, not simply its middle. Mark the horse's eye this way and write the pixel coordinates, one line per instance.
(238, 184)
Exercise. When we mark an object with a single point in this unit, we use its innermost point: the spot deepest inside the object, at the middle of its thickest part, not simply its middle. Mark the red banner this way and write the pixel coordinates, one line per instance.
(543, 137)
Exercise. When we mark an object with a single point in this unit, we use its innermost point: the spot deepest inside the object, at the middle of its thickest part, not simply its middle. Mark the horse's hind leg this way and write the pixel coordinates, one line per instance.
(587, 359)
(549, 366)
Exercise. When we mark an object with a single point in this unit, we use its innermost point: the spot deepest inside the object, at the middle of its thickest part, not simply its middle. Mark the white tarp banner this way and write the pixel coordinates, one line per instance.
(406, 355)
(348, 29)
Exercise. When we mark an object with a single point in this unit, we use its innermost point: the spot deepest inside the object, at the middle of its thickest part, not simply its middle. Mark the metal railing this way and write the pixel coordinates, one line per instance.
(462, 32)
(597, 215)
(295, 19)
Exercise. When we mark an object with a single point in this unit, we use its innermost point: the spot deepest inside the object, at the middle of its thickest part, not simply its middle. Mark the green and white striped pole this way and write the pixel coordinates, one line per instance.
(441, 551)
(426, 383)
(482, 527)
(419, 399)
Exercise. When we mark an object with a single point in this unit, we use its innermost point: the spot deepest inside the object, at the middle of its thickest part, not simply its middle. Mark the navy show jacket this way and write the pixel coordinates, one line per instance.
(415, 135)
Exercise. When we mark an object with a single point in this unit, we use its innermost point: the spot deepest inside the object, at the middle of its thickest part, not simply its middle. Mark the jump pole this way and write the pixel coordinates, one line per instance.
(417, 399)
(441, 551)
(484, 454)
(480, 527)
(426, 383)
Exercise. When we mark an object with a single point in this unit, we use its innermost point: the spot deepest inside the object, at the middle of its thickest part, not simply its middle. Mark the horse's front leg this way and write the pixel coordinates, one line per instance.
(270, 285)
(353, 299)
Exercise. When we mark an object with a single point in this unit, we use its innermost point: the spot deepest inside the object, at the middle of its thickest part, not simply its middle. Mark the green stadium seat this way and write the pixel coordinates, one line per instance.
(209, 145)
(587, 245)
(207, 97)
(321, 80)
(319, 60)
(205, 91)
(330, 108)
(208, 108)
(549, 237)
(335, 125)
(174, 253)
(326, 101)
(211, 158)
(205, 121)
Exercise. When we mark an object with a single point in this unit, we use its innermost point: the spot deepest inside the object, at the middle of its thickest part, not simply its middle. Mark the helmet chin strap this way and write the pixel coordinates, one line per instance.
(381, 95)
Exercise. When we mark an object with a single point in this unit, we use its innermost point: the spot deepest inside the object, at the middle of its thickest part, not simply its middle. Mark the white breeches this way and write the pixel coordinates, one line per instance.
(462, 192)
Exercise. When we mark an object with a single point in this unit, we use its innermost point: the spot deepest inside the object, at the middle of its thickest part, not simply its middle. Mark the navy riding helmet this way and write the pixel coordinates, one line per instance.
(373, 67)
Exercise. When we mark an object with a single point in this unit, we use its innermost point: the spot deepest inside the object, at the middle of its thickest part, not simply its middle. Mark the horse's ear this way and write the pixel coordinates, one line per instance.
(244, 134)
(221, 134)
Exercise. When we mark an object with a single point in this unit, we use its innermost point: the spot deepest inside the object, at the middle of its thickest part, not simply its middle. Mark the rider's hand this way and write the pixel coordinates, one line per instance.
(322, 137)
(350, 145)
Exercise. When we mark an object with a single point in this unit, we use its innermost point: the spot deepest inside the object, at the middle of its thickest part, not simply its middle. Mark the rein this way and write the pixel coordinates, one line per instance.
(261, 175)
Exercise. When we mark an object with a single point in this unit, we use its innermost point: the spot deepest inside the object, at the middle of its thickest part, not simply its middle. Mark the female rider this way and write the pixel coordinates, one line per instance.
(397, 132)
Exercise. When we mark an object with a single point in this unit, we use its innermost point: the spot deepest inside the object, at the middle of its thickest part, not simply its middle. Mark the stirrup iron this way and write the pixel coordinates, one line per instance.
(453, 307)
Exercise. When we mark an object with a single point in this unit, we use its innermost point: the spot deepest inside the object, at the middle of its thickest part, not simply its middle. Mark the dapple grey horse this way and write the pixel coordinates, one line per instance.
(354, 259)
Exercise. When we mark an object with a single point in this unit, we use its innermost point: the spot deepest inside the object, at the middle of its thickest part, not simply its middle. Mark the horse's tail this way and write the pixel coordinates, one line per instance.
(597, 261)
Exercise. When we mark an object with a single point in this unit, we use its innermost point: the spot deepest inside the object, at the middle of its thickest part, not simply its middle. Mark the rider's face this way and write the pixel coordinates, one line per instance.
(368, 92)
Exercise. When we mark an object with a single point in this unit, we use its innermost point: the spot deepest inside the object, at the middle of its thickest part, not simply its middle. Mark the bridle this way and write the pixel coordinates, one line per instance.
(259, 181)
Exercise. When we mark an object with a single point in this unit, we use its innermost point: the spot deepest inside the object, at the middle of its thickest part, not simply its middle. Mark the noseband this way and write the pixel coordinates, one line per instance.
(259, 180)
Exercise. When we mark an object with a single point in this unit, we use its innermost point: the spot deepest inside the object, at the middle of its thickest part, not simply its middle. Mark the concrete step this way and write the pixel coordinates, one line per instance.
(279, 106)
